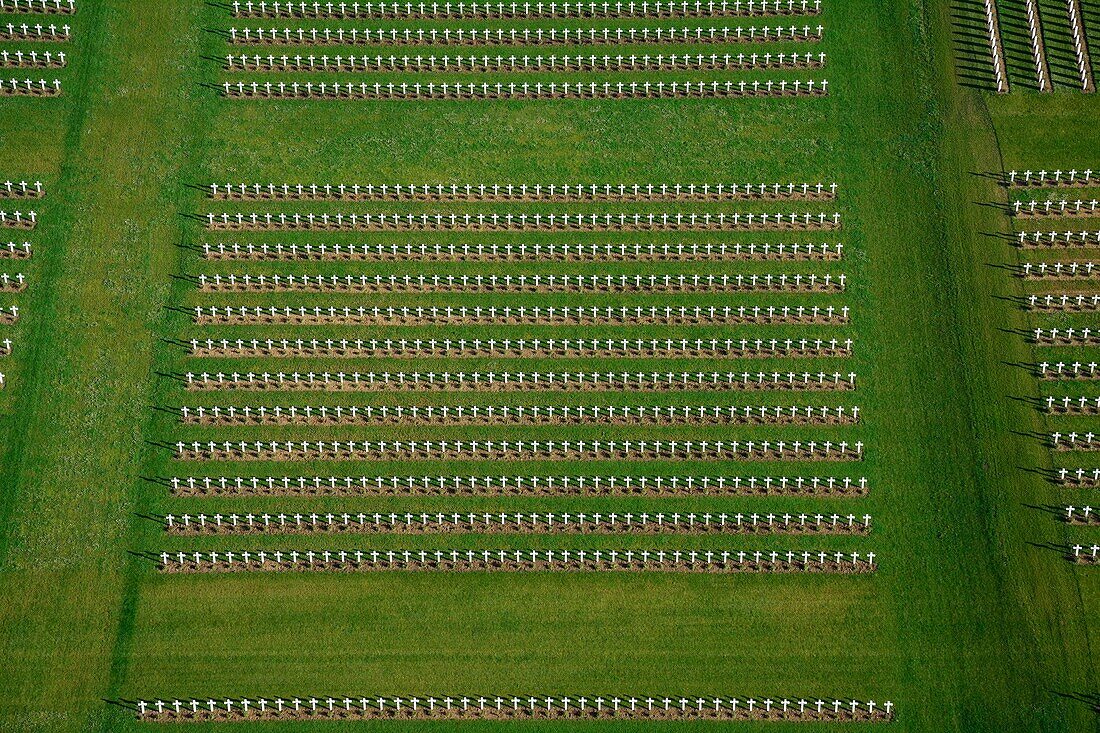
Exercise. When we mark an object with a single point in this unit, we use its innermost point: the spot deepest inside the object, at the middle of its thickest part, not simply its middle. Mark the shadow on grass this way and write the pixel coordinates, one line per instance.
(1092, 699)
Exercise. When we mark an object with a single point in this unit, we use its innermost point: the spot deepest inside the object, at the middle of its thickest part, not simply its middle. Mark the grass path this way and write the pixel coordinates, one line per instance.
(69, 482)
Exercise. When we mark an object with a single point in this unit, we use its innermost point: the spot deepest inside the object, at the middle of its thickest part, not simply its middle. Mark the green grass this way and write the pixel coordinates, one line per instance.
(970, 625)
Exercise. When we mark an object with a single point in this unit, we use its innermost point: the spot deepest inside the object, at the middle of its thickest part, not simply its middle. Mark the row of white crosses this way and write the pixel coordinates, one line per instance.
(1076, 207)
(514, 252)
(35, 32)
(519, 36)
(520, 191)
(21, 190)
(5, 350)
(1063, 301)
(15, 251)
(536, 90)
(996, 47)
(536, 707)
(639, 8)
(1050, 179)
(1072, 370)
(1038, 48)
(1080, 47)
(516, 381)
(513, 63)
(542, 315)
(29, 87)
(1075, 441)
(528, 521)
(38, 6)
(683, 283)
(19, 219)
(17, 282)
(339, 221)
(516, 414)
(510, 347)
(560, 485)
(564, 450)
(32, 59)
(1072, 405)
(1078, 476)
(1084, 514)
(514, 559)
(1086, 554)
(12, 283)
(1058, 239)
(1060, 269)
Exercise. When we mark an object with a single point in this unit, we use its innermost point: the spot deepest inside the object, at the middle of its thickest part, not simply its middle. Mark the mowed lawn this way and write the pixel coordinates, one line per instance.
(968, 626)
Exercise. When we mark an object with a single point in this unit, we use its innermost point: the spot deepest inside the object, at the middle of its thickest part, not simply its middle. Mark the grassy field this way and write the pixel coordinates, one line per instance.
(971, 623)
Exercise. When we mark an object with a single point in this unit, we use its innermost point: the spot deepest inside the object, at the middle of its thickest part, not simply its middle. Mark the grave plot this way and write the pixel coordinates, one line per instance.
(29, 88)
(1082, 55)
(508, 36)
(1057, 209)
(1066, 45)
(518, 450)
(1068, 370)
(418, 53)
(29, 44)
(525, 485)
(524, 91)
(1085, 554)
(668, 315)
(1090, 30)
(32, 59)
(37, 32)
(996, 45)
(553, 283)
(1056, 270)
(517, 193)
(1056, 218)
(1083, 405)
(1015, 26)
(747, 221)
(527, 63)
(529, 348)
(336, 252)
(1063, 303)
(641, 9)
(1040, 45)
(47, 7)
(562, 560)
(422, 382)
(446, 363)
(22, 190)
(294, 522)
(497, 708)
(23, 194)
(1085, 515)
(1070, 336)
(335, 317)
(1054, 239)
(17, 219)
(322, 415)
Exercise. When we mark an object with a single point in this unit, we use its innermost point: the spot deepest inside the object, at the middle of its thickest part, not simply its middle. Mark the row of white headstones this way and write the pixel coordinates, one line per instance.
(15, 282)
(1054, 302)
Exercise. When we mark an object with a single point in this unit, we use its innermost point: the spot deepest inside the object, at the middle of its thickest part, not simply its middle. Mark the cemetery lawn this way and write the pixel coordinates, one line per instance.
(971, 623)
